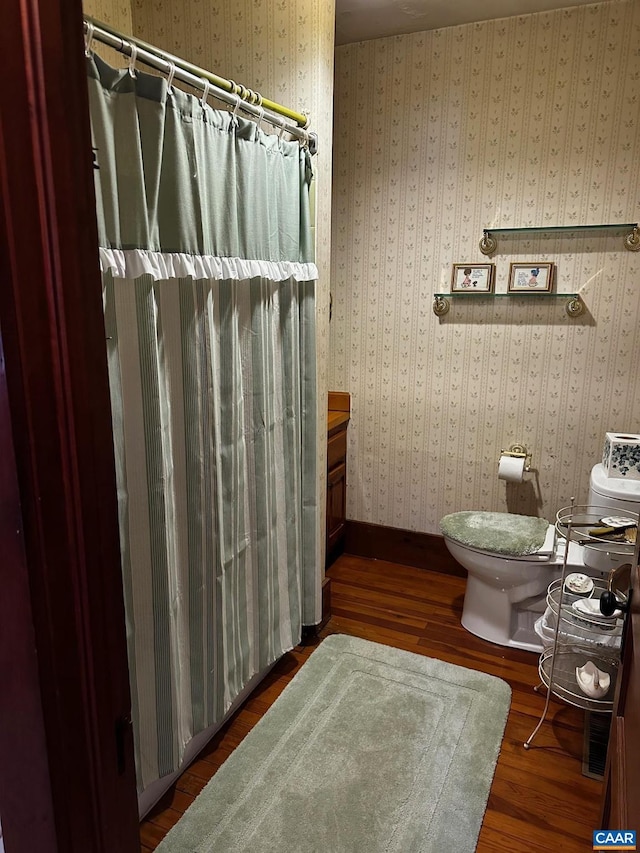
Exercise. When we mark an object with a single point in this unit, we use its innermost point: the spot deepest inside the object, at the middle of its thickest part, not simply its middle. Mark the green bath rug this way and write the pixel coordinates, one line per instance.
(368, 749)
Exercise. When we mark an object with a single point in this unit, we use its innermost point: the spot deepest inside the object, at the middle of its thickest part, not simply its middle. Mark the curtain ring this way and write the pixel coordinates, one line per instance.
(258, 99)
(205, 95)
(307, 122)
(305, 137)
(233, 87)
(260, 116)
(89, 39)
(234, 114)
(170, 76)
(132, 59)
(281, 122)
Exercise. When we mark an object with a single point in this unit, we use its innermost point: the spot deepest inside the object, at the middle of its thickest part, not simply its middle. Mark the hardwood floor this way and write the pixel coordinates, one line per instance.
(539, 799)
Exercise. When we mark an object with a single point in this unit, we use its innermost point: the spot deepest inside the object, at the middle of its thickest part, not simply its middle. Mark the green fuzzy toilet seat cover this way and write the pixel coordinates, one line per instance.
(500, 532)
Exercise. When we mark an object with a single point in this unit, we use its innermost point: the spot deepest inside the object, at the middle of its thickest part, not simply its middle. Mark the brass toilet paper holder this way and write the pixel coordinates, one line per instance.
(519, 451)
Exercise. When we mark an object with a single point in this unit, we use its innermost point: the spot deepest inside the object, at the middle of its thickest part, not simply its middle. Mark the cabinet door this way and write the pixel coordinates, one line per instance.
(336, 505)
(336, 449)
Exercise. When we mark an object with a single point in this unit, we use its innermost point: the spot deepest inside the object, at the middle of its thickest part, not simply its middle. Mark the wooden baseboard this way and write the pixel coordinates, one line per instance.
(422, 550)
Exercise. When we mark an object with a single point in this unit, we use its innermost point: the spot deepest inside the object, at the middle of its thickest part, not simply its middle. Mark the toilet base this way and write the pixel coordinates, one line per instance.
(489, 613)
(505, 596)
(524, 637)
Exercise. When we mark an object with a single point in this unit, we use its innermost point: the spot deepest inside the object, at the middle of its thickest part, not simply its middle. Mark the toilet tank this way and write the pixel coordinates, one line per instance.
(614, 493)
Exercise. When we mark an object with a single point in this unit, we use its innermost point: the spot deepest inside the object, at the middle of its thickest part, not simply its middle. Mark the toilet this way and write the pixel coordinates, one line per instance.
(508, 575)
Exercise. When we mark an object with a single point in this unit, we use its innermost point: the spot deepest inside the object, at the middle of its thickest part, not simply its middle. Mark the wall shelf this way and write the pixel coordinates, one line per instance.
(441, 305)
(489, 244)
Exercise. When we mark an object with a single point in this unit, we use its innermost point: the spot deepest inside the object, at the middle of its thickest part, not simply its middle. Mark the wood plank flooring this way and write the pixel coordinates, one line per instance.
(539, 799)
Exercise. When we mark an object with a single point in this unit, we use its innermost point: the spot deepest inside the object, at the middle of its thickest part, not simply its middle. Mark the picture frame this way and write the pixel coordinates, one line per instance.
(472, 278)
(531, 277)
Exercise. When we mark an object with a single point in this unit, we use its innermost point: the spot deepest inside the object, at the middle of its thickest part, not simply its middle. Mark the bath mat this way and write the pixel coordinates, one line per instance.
(500, 532)
(368, 749)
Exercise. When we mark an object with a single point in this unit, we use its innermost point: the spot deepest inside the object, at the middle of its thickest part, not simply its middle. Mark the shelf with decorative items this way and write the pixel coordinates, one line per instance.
(534, 278)
(441, 305)
(581, 628)
(587, 653)
(489, 244)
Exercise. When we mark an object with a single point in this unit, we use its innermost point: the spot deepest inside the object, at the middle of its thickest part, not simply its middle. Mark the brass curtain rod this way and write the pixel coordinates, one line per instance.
(225, 90)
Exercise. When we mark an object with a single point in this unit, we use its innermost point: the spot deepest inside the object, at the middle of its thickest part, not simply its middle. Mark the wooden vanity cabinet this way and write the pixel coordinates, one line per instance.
(336, 491)
(336, 474)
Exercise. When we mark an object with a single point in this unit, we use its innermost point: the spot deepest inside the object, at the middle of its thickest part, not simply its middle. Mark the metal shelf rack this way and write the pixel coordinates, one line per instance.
(579, 637)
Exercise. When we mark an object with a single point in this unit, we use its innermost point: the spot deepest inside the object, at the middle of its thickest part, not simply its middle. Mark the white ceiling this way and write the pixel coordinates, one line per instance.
(360, 20)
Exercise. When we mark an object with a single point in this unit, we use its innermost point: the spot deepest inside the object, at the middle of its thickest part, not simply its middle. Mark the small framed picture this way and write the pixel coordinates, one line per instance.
(530, 277)
(472, 278)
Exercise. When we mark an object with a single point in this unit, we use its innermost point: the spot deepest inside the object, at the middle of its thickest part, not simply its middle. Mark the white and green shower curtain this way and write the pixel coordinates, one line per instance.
(208, 282)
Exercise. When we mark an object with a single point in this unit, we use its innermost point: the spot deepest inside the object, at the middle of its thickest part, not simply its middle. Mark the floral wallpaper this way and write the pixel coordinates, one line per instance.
(117, 13)
(524, 121)
(283, 50)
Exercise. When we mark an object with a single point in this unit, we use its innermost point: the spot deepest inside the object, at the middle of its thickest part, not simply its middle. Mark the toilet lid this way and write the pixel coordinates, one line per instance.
(499, 532)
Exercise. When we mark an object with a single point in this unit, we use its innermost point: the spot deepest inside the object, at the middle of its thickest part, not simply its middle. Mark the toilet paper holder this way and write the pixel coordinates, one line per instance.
(519, 451)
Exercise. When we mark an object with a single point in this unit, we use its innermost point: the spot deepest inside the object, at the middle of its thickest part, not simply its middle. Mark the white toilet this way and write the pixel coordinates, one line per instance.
(505, 594)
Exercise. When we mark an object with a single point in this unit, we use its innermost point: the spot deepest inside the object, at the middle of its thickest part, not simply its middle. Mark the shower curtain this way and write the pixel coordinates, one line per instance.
(208, 289)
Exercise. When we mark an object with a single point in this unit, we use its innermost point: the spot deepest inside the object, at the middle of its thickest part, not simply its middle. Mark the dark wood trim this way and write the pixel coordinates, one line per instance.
(22, 730)
(57, 401)
(621, 795)
(407, 547)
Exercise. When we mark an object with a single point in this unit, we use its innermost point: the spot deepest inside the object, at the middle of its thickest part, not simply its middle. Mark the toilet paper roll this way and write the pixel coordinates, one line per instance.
(511, 469)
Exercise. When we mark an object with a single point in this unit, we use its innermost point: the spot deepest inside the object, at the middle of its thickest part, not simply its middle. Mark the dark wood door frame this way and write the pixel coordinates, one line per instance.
(21, 713)
(67, 779)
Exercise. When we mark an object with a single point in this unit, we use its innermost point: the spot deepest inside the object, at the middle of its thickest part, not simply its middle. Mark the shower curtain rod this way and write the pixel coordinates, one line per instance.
(231, 93)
